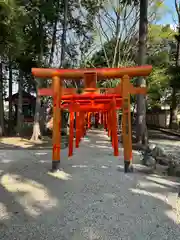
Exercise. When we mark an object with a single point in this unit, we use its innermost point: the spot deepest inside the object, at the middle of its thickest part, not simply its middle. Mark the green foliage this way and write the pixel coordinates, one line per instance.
(160, 42)
(11, 38)
(99, 59)
(157, 83)
(110, 83)
(174, 76)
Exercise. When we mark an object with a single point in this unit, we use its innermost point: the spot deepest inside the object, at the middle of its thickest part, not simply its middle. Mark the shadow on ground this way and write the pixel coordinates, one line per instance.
(87, 199)
(25, 143)
(155, 134)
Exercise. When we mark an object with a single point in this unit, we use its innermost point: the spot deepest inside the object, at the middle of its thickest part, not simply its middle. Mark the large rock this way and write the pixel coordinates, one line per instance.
(150, 161)
(153, 154)
(158, 151)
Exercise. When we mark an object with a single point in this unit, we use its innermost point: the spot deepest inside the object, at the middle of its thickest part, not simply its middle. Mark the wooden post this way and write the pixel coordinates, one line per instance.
(111, 127)
(90, 79)
(85, 123)
(71, 133)
(80, 125)
(89, 120)
(126, 124)
(109, 124)
(56, 135)
(115, 136)
(102, 118)
(77, 129)
(106, 121)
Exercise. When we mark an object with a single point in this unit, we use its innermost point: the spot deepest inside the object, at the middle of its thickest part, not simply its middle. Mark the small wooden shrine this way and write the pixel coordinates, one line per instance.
(28, 106)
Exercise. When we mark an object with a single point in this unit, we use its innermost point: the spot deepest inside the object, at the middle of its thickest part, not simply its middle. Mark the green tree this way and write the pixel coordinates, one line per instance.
(174, 102)
(11, 42)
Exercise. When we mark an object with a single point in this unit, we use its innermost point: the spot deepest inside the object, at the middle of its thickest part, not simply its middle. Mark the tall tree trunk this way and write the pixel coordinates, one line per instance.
(116, 53)
(36, 127)
(63, 50)
(19, 107)
(141, 128)
(10, 122)
(54, 35)
(63, 37)
(2, 130)
(173, 109)
(53, 43)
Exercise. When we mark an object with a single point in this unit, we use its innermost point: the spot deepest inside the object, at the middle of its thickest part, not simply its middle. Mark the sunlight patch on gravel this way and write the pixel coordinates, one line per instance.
(33, 196)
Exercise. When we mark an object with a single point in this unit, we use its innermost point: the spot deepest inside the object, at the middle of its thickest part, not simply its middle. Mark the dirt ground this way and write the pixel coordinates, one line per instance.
(26, 143)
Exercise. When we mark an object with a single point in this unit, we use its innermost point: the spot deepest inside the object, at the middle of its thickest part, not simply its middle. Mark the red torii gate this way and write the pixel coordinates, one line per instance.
(92, 101)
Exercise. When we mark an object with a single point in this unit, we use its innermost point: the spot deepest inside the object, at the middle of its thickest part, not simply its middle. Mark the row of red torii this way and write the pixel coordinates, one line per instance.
(92, 99)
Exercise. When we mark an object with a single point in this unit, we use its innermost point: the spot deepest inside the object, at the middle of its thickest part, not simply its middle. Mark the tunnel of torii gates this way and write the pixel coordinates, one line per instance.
(105, 101)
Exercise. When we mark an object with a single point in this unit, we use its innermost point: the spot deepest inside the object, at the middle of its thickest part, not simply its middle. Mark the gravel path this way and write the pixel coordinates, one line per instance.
(91, 198)
(170, 143)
